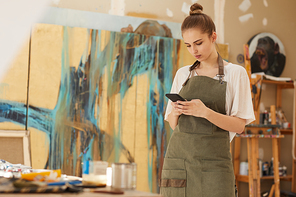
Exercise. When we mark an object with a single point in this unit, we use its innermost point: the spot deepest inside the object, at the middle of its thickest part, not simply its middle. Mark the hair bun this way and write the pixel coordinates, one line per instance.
(195, 8)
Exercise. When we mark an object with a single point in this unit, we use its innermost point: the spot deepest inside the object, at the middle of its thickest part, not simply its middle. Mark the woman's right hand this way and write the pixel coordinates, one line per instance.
(174, 115)
(175, 110)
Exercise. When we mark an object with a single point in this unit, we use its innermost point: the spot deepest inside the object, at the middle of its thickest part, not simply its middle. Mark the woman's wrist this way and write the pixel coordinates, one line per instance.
(208, 113)
(175, 115)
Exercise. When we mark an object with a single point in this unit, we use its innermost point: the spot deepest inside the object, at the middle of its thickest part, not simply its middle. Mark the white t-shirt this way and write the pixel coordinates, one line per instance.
(238, 93)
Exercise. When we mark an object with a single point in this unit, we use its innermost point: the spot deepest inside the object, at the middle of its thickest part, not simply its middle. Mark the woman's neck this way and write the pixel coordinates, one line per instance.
(211, 61)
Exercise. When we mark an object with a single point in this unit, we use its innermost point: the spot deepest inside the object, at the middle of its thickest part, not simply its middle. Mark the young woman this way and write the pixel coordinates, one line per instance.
(218, 105)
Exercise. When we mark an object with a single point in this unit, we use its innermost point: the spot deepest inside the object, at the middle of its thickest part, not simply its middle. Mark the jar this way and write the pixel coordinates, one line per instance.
(124, 176)
(244, 168)
(284, 171)
(265, 169)
(281, 172)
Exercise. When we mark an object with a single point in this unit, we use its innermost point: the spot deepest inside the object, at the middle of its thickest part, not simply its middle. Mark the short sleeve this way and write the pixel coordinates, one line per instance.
(242, 105)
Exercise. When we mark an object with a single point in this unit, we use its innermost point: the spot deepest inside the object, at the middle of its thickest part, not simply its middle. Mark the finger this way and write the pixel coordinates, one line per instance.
(182, 102)
(176, 108)
(179, 107)
(188, 112)
(185, 106)
(175, 104)
(185, 112)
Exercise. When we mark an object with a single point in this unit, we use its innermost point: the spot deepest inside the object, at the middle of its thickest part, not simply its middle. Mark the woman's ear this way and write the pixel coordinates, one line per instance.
(214, 37)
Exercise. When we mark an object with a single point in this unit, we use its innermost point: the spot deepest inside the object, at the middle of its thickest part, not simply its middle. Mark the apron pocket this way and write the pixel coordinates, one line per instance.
(173, 164)
(196, 125)
(218, 184)
(173, 178)
(173, 183)
(217, 166)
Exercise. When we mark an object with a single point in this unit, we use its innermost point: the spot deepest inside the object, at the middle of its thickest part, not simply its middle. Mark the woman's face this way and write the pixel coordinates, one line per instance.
(199, 44)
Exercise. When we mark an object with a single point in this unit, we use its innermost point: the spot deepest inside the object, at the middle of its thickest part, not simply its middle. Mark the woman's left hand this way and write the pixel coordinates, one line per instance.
(194, 107)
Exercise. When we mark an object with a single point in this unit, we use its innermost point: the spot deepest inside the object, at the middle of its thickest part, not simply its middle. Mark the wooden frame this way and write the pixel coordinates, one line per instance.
(253, 179)
(26, 145)
(294, 141)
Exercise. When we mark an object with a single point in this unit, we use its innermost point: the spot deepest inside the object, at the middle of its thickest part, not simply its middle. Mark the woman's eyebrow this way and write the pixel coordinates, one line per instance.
(194, 41)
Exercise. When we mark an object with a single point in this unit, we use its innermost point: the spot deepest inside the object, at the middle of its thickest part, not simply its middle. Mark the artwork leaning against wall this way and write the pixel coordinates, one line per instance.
(95, 95)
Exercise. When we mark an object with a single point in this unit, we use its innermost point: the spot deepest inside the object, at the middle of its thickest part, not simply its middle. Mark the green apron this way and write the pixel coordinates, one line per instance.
(198, 160)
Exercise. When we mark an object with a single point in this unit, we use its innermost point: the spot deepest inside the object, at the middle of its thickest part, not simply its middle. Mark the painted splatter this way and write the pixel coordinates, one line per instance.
(73, 126)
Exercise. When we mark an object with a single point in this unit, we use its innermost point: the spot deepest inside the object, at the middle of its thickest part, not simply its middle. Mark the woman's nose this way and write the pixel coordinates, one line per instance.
(194, 49)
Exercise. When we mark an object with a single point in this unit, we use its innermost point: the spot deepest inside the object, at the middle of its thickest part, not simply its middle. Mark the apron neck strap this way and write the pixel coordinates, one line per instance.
(220, 74)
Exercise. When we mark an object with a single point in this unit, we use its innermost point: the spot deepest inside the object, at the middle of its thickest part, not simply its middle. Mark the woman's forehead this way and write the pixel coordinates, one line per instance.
(192, 35)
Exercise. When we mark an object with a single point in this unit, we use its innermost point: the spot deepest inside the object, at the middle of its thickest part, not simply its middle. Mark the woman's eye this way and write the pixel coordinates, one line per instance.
(199, 43)
(188, 46)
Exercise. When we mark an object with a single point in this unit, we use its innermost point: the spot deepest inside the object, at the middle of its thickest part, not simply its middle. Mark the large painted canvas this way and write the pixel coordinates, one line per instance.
(98, 95)
(93, 95)
(108, 96)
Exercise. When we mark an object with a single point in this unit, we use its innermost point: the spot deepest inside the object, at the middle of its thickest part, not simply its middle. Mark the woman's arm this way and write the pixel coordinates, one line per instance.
(197, 108)
(228, 123)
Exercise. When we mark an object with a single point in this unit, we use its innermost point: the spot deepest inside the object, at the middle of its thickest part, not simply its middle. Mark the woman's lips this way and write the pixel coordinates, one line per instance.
(197, 56)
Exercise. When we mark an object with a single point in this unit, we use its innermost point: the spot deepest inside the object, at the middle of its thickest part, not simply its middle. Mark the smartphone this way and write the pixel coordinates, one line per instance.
(175, 97)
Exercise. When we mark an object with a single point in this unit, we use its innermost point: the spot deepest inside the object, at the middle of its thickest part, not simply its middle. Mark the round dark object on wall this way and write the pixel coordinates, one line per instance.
(240, 58)
(267, 54)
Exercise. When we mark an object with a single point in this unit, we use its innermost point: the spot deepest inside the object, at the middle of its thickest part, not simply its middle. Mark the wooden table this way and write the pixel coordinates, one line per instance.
(87, 193)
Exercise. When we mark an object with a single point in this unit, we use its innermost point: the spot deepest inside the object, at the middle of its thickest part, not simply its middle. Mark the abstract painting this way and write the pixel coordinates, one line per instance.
(96, 95)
